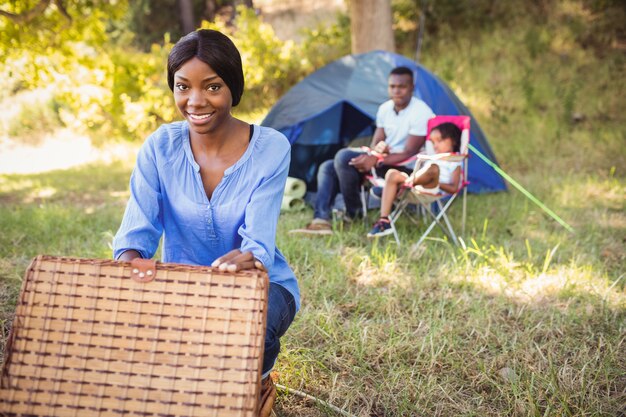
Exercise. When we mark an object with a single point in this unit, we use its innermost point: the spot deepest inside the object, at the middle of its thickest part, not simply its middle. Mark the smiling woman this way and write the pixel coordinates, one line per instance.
(213, 185)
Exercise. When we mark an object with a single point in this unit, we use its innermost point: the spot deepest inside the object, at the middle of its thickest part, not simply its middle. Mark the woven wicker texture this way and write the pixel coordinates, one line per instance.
(88, 340)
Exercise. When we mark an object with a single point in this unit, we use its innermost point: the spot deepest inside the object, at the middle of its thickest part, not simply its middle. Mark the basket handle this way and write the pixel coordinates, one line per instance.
(143, 270)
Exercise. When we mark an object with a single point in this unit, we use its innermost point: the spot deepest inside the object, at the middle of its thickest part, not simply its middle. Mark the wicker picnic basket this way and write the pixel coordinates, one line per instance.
(105, 338)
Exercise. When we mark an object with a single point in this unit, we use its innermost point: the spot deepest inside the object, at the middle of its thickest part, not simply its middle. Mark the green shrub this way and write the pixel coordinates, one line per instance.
(122, 94)
(270, 65)
(34, 120)
(114, 90)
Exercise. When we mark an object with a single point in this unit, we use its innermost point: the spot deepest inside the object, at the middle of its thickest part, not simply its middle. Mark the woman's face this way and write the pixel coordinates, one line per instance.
(201, 96)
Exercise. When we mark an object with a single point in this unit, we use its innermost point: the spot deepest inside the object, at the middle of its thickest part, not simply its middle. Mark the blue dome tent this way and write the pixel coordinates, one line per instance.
(332, 106)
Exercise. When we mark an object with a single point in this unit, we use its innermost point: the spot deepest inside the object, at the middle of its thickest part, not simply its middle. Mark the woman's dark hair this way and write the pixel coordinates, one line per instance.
(214, 49)
(450, 131)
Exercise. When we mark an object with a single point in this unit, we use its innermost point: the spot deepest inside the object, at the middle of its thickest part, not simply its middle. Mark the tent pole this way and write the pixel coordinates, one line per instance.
(420, 33)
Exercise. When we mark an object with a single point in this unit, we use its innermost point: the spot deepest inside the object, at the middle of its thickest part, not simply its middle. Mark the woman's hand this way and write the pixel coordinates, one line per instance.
(235, 260)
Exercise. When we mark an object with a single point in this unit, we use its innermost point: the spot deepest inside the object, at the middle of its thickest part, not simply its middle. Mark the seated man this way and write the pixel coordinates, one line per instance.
(433, 177)
(401, 124)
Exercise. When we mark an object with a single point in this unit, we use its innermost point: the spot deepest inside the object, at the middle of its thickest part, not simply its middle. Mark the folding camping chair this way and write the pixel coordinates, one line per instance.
(370, 181)
(373, 180)
(426, 201)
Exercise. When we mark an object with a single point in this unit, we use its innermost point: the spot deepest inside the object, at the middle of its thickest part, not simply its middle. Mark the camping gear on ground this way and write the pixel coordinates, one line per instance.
(425, 199)
(338, 103)
(295, 187)
(293, 199)
(105, 338)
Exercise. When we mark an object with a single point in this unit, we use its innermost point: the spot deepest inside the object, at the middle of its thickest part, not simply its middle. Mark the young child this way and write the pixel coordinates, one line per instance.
(434, 176)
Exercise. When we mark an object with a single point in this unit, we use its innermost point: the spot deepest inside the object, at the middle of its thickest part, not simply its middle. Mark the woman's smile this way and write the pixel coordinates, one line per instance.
(199, 118)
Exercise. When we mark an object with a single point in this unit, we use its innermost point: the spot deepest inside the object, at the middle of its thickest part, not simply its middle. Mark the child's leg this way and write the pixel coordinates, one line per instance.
(427, 177)
(393, 180)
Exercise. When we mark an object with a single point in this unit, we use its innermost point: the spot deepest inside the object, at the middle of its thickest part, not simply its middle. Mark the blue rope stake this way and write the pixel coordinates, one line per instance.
(522, 189)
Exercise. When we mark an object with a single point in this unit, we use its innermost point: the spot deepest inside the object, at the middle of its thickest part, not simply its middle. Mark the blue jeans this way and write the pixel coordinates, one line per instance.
(281, 309)
(338, 176)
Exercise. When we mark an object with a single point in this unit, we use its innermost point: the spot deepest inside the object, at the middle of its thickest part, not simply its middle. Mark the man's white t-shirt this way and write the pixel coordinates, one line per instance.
(412, 120)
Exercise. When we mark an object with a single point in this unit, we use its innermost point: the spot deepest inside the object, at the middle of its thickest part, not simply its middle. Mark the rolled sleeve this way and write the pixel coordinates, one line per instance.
(141, 227)
(258, 231)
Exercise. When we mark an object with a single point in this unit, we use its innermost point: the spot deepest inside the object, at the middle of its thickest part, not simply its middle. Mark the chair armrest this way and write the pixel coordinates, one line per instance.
(380, 156)
(449, 156)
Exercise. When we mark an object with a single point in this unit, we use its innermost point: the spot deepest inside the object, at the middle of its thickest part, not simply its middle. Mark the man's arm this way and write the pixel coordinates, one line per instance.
(379, 135)
(365, 162)
(411, 148)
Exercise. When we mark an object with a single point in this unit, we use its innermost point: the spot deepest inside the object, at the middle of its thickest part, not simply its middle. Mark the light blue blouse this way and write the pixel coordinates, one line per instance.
(167, 198)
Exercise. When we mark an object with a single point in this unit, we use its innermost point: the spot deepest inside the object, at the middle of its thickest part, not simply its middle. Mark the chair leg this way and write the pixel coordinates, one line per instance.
(437, 221)
(464, 210)
(450, 230)
(425, 234)
(414, 217)
(436, 218)
(395, 214)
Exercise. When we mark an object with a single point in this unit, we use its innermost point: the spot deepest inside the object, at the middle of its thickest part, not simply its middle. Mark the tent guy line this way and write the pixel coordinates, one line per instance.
(522, 189)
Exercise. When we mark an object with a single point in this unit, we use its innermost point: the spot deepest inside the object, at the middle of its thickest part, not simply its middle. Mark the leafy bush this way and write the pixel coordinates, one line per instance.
(116, 91)
(122, 93)
(596, 24)
(272, 66)
(32, 121)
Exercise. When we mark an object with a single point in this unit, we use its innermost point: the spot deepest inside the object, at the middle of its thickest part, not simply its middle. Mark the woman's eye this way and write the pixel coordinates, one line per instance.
(181, 87)
(213, 87)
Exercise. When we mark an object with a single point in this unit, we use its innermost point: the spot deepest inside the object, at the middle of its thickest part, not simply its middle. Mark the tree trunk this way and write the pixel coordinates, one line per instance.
(371, 25)
(210, 8)
(186, 16)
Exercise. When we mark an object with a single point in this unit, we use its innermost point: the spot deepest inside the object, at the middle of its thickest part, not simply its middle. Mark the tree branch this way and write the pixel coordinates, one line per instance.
(61, 7)
(29, 15)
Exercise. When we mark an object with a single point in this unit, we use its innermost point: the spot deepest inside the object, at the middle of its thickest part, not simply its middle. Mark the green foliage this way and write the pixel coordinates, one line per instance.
(605, 25)
(53, 32)
(272, 66)
(325, 43)
(27, 124)
(121, 94)
(113, 90)
(595, 24)
(148, 20)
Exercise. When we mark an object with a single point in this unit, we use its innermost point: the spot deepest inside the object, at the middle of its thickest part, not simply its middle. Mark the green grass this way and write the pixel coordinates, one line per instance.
(528, 320)
(382, 332)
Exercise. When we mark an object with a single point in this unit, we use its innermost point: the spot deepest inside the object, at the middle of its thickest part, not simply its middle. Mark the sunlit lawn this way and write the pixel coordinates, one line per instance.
(528, 320)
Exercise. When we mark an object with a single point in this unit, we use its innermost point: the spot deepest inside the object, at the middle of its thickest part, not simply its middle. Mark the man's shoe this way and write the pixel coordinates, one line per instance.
(268, 396)
(381, 228)
(316, 227)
